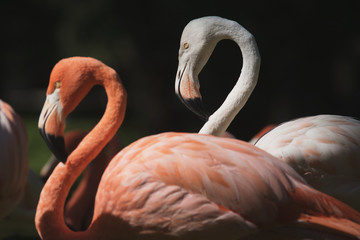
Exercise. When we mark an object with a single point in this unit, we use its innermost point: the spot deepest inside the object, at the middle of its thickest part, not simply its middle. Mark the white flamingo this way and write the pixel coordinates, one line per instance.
(324, 149)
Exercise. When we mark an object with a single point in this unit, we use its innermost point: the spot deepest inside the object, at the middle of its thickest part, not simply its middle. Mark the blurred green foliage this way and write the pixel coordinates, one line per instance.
(38, 151)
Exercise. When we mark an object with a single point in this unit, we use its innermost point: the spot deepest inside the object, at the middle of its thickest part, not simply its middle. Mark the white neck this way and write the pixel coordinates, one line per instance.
(220, 120)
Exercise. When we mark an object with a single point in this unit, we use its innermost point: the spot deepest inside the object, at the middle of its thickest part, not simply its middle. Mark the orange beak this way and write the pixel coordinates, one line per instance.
(51, 126)
(187, 89)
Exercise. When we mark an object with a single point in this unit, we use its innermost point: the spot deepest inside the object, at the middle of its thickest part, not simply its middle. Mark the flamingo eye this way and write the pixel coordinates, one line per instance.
(57, 85)
(186, 45)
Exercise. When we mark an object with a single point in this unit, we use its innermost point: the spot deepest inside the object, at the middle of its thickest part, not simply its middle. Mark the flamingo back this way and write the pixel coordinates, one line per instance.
(318, 142)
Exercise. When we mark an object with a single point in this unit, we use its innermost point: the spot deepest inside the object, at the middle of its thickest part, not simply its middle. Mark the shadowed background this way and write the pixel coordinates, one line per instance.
(310, 60)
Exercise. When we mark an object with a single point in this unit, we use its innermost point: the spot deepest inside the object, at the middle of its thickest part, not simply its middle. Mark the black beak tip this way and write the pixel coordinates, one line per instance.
(56, 144)
(196, 106)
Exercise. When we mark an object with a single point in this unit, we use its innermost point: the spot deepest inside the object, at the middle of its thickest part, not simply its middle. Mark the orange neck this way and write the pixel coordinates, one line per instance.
(82, 200)
(49, 218)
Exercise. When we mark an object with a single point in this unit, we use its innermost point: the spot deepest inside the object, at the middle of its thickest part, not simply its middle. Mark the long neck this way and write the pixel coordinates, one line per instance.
(220, 120)
(49, 217)
(77, 207)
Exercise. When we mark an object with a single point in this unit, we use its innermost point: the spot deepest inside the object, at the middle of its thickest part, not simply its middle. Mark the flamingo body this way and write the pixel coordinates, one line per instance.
(19, 185)
(13, 159)
(324, 149)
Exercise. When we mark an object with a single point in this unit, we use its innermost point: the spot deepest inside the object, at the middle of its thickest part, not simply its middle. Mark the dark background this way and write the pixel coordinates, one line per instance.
(310, 57)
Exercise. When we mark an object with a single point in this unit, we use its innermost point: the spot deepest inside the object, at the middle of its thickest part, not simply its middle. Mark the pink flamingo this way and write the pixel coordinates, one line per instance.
(324, 149)
(174, 185)
(79, 208)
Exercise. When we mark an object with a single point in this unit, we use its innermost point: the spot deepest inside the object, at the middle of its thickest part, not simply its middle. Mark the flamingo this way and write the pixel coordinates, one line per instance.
(19, 188)
(174, 185)
(325, 149)
(79, 208)
(14, 162)
(197, 43)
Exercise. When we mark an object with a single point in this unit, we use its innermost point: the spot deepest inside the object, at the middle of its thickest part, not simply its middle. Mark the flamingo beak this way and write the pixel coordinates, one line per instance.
(187, 88)
(51, 125)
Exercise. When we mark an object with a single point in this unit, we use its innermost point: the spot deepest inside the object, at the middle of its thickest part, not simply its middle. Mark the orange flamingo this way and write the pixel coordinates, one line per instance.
(19, 221)
(20, 197)
(174, 185)
(79, 208)
(324, 149)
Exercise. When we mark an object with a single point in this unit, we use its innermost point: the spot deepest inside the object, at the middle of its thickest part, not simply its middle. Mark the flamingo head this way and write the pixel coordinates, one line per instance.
(197, 43)
(70, 80)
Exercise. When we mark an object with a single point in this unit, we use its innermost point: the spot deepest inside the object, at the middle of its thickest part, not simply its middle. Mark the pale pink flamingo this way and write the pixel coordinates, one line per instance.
(324, 149)
(13, 160)
(174, 185)
(79, 208)
(19, 188)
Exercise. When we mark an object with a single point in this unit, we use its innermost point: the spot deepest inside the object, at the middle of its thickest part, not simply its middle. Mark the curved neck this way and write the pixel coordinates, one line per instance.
(50, 211)
(220, 120)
